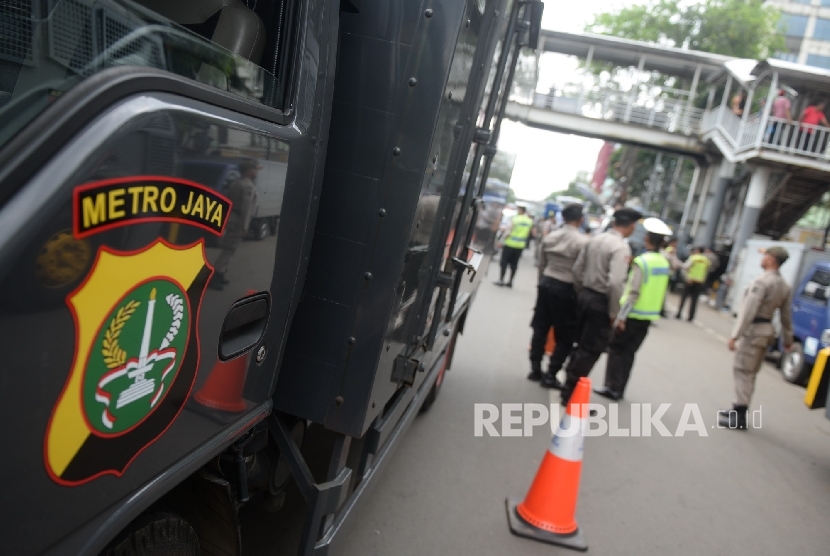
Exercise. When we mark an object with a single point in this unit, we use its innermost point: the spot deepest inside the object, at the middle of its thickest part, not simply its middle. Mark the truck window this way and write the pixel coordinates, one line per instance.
(50, 46)
(817, 286)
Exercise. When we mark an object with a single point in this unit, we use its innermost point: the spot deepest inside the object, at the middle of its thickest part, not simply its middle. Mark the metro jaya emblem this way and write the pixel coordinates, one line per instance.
(126, 379)
(136, 357)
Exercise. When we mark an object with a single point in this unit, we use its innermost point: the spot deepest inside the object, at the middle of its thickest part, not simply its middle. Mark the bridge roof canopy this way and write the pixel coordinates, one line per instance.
(667, 60)
(797, 77)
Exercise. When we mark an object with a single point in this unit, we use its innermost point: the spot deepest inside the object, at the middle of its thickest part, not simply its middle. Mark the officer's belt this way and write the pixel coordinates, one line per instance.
(758, 320)
(595, 292)
(558, 282)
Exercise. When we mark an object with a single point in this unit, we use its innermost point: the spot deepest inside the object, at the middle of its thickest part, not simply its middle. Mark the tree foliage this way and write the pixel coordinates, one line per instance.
(572, 190)
(741, 28)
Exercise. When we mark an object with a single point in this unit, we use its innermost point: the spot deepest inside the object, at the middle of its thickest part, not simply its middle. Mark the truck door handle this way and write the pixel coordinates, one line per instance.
(244, 326)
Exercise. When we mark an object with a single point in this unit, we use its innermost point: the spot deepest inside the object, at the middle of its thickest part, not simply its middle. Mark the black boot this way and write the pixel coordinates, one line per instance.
(734, 418)
(535, 371)
(549, 380)
(606, 392)
(218, 282)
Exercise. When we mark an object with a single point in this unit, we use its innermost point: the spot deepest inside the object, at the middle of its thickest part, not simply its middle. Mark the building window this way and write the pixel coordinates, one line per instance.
(825, 3)
(793, 25)
(787, 56)
(822, 29)
(818, 61)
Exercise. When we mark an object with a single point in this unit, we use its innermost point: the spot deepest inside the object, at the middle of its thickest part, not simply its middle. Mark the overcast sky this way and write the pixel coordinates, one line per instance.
(546, 161)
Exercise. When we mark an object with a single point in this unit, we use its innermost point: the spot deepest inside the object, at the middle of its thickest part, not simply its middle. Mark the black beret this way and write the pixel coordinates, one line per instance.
(625, 216)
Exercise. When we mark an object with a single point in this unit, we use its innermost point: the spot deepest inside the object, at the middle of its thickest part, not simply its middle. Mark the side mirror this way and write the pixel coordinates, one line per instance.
(536, 9)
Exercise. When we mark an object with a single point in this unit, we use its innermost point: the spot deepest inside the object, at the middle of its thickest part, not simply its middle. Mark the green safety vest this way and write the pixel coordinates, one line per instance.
(520, 232)
(655, 270)
(698, 269)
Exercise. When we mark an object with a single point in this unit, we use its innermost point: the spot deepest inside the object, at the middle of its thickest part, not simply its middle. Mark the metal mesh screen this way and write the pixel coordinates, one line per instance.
(16, 30)
(140, 50)
(71, 33)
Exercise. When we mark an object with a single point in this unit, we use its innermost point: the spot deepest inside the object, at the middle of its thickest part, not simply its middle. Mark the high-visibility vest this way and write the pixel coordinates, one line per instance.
(519, 232)
(698, 269)
(655, 270)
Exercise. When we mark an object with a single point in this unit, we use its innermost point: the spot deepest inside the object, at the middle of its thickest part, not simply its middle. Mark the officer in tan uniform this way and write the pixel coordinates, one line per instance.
(753, 332)
(556, 296)
(243, 196)
(600, 273)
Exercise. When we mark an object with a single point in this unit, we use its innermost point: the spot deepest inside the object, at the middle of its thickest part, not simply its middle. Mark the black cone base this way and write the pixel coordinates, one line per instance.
(522, 528)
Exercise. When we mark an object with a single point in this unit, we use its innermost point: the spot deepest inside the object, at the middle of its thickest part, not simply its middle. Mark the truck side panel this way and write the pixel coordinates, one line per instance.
(393, 132)
(114, 389)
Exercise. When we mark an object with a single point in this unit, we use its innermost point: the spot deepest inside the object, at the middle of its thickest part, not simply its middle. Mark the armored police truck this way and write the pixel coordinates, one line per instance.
(167, 386)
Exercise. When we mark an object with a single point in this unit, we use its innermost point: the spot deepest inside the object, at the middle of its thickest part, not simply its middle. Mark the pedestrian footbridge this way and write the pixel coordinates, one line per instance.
(766, 171)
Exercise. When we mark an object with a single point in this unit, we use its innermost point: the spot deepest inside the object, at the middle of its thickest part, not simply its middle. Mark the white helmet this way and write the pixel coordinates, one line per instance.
(656, 226)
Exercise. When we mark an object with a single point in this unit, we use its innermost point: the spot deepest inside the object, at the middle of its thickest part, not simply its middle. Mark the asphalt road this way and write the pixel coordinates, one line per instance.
(763, 491)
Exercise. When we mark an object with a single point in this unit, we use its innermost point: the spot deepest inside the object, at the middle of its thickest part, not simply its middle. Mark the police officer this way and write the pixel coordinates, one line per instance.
(642, 303)
(599, 272)
(753, 332)
(518, 235)
(243, 196)
(556, 297)
(697, 269)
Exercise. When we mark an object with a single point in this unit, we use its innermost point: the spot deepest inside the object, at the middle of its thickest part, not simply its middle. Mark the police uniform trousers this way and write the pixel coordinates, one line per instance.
(593, 333)
(750, 353)
(229, 243)
(510, 257)
(621, 351)
(691, 290)
(555, 307)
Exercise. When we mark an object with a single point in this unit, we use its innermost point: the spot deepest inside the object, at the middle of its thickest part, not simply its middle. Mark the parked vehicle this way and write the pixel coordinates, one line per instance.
(811, 322)
(168, 386)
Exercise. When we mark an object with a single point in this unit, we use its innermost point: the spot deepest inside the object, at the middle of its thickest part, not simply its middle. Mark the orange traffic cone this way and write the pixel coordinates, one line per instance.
(223, 388)
(550, 344)
(548, 512)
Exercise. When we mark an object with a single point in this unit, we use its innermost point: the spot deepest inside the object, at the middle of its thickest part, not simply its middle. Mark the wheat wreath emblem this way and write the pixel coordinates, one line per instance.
(114, 354)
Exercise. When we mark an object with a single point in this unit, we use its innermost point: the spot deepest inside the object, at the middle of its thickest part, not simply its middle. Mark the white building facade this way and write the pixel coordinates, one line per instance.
(806, 27)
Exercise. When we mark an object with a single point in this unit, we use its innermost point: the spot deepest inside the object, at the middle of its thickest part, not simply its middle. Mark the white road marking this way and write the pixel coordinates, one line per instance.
(699, 324)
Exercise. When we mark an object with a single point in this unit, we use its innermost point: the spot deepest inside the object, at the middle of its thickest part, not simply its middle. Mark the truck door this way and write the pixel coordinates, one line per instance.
(141, 327)
(442, 195)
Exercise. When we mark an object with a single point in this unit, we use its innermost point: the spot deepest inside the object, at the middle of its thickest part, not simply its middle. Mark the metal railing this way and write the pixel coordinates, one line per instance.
(779, 135)
(666, 114)
(795, 138)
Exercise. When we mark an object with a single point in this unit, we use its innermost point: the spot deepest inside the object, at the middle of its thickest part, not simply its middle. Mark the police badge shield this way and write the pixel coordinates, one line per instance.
(136, 358)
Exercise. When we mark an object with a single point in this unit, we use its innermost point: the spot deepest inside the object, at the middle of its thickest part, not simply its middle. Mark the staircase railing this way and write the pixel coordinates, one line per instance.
(781, 135)
(796, 138)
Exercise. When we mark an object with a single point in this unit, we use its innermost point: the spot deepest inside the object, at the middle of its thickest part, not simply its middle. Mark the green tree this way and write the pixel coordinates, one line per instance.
(741, 28)
(572, 190)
